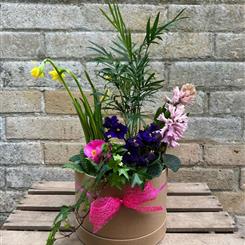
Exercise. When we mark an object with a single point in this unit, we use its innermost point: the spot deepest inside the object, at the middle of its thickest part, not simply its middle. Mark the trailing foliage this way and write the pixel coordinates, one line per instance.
(62, 217)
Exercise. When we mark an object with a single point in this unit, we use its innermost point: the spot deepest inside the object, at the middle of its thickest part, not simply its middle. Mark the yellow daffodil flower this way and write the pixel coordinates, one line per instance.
(108, 77)
(55, 76)
(37, 72)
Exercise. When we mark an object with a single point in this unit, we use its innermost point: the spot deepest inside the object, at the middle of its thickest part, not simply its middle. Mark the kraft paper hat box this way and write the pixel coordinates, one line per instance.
(128, 227)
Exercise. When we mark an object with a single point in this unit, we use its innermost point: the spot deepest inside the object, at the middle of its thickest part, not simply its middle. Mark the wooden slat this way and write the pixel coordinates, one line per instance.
(67, 188)
(174, 203)
(39, 238)
(185, 189)
(193, 204)
(27, 238)
(202, 239)
(33, 238)
(200, 222)
(176, 222)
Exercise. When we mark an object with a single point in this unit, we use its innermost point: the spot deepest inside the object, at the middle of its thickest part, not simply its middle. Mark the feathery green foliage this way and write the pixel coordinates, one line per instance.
(126, 67)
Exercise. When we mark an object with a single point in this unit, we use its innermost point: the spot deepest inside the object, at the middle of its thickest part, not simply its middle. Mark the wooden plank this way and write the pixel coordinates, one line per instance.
(39, 238)
(193, 204)
(67, 188)
(174, 203)
(176, 222)
(200, 222)
(202, 239)
(192, 189)
(33, 238)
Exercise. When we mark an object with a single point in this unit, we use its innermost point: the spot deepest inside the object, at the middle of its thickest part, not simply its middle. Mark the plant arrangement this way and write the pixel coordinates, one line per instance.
(124, 148)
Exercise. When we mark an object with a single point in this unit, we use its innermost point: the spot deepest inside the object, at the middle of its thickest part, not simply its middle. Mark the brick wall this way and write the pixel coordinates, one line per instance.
(38, 128)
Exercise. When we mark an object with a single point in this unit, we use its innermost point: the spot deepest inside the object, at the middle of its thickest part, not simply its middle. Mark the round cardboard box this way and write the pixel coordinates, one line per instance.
(127, 227)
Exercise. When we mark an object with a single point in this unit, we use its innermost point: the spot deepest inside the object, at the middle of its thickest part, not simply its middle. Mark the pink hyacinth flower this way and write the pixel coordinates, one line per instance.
(175, 126)
(184, 96)
(93, 150)
(189, 93)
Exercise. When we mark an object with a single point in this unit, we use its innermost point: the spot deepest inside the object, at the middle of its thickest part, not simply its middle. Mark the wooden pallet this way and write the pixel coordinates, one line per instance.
(195, 216)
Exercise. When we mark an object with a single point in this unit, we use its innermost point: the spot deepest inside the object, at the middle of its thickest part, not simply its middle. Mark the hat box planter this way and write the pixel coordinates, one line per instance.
(127, 227)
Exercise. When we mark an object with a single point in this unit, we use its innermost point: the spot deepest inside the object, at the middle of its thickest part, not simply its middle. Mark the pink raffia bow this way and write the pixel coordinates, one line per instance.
(103, 209)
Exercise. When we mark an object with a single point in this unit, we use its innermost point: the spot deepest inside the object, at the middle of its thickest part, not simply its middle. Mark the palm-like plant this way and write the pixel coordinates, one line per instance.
(126, 68)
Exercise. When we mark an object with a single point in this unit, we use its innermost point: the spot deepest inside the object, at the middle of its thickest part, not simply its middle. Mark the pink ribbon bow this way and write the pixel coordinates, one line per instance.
(103, 209)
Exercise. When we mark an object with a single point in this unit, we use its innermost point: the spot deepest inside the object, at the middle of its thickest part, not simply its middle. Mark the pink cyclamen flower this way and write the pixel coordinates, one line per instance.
(175, 126)
(93, 150)
(184, 96)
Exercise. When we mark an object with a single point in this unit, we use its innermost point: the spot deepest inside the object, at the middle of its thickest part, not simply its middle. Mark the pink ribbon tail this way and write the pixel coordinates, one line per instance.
(134, 198)
(102, 210)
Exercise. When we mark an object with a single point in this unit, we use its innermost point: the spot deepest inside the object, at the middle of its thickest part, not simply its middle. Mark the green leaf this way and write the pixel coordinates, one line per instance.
(116, 181)
(62, 216)
(172, 162)
(89, 167)
(75, 158)
(105, 168)
(74, 166)
(155, 169)
(124, 172)
(136, 180)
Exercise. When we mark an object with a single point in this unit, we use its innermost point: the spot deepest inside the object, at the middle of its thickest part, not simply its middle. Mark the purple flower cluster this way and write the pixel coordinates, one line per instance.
(143, 148)
(114, 128)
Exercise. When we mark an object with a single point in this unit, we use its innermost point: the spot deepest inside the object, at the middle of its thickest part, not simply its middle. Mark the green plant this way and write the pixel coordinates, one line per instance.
(90, 116)
(129, 83)
(126, 67)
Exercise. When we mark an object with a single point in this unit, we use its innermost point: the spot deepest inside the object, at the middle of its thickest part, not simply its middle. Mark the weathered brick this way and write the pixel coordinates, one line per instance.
(242, 179)
(17, 74)
(21, 45)
(9, 200)
(20, 101)
(59, 153)
(228, 154)
(135, 16)
(227, 102)
(230, 46)
(77, 43)
(130, 2)
(43, 128)
(23, 177)
(220, 129)
(189, 154)
(173, 46)
(45, 16)
(210, 17)
(59, 102)
(20, 153)
(2, 177)
(1, 128)
(184, 45)
(223, 179)
(240, 221)
(232, 202)
(86, 17)
(208, 74)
